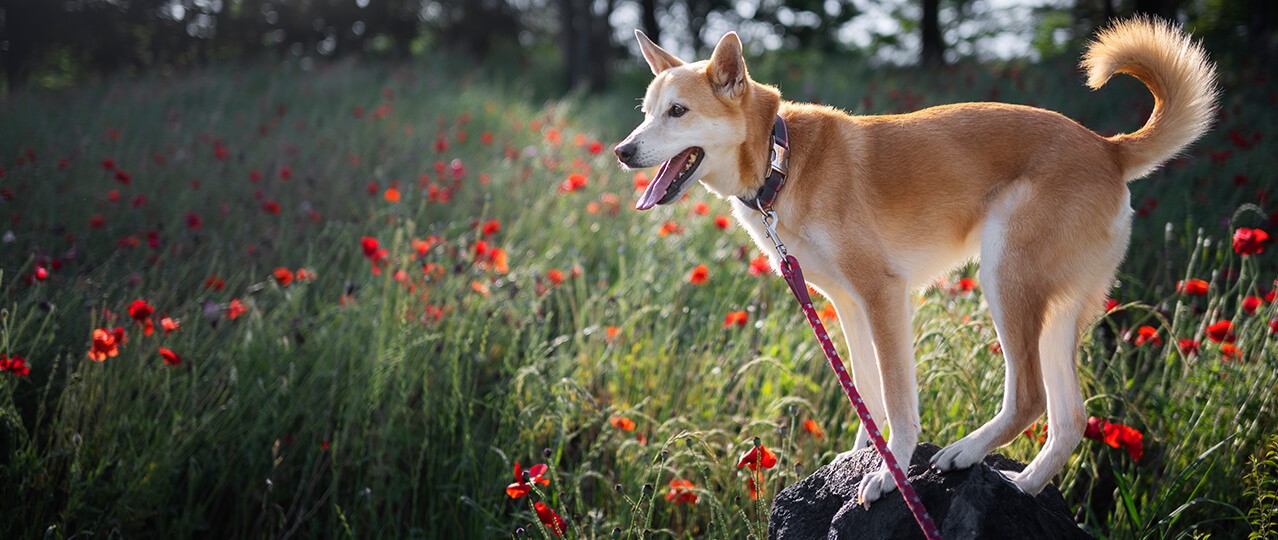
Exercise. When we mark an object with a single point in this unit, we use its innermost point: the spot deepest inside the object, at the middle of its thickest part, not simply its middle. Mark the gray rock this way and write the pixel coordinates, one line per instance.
(977, 503)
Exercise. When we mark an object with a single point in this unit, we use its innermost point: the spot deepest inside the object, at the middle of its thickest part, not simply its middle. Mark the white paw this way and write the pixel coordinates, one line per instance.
(1023, 482)
(874, 486)
(958, 456)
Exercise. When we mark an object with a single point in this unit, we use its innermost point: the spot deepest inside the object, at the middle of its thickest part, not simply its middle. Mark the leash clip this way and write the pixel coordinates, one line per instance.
(770, 229)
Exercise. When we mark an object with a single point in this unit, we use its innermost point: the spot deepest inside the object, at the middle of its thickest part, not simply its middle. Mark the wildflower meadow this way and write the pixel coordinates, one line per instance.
(413, 300)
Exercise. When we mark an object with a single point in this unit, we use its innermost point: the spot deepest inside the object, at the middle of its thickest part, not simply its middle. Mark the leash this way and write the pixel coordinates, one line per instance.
(793, 274)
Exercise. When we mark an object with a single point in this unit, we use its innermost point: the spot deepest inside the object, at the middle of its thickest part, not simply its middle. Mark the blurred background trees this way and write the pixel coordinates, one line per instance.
(50, 42)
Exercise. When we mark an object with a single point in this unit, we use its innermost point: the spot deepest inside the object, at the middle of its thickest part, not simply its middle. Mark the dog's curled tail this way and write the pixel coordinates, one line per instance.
(1177, 72)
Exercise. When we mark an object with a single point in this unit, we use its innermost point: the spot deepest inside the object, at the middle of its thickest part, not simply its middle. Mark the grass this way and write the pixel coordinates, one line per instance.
(394, 403)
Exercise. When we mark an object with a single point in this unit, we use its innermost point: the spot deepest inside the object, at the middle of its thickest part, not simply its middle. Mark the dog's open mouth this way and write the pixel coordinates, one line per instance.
(670, 178)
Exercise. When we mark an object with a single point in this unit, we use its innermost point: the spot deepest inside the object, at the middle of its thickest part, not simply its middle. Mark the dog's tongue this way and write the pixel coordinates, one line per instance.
(665, 175)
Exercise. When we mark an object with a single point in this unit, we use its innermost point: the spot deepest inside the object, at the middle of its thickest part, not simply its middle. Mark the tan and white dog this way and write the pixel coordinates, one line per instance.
(876, 207)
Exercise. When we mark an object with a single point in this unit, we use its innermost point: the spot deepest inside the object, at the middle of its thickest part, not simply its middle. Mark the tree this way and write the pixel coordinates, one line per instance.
(933, 53)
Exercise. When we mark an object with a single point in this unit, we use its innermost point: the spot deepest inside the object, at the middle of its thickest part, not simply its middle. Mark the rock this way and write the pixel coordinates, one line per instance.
(977, 503)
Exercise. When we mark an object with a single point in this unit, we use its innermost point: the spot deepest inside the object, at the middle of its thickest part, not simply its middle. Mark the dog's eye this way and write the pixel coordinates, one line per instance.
(677, 110)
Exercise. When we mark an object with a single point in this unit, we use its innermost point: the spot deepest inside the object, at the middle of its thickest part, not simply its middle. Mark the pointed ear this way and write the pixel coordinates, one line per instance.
(658, 59)
(727, 70)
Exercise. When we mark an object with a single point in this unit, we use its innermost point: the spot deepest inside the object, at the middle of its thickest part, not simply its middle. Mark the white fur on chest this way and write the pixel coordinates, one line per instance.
(813, 248)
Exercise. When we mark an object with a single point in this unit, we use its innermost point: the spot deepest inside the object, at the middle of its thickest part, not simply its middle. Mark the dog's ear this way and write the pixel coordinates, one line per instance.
(658, 59)
(727, 70)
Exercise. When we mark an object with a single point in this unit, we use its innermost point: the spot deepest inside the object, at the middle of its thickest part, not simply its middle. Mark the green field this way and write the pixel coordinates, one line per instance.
(522, 311)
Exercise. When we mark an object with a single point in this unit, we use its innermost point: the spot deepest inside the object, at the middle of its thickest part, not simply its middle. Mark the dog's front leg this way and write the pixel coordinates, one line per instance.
(865, 370)
(888, 309)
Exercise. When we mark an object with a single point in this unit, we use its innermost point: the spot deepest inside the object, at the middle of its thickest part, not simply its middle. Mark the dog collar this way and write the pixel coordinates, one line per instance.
(778, 168)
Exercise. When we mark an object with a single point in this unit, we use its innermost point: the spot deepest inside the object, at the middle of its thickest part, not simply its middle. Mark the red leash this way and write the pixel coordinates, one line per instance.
(794, 278)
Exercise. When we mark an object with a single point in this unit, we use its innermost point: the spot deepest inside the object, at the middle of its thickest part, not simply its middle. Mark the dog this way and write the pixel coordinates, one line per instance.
(876, 207)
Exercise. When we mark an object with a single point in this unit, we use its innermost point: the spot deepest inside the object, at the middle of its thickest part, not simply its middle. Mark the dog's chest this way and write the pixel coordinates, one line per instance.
(811, 247)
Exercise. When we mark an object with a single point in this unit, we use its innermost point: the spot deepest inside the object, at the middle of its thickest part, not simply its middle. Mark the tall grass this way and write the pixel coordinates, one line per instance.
(395, 403)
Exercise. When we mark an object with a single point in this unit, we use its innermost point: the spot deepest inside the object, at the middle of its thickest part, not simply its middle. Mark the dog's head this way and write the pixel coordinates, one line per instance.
(697, 119)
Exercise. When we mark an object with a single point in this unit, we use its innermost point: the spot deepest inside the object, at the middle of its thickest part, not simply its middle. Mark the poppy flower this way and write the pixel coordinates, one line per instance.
(271, 207)
(738, 318)
(1250, 304)
(556, 277)
(1229, 351)
(306, 275)
(170, 325)
(1037, 434)
(41, 273)
(1095, 428)
(622, 423)
(486, 138)
(283, 276)
(1222, 331)
(141, 312)
(374, 253)
(1126, 437)
(701, 209)
(721, 222)
(669, 228)
(829, 314)
(610, 333)
(595, 148)
(699, 275)
(964, 285)
(170, 358)
(490, 227)
(550, 519)
(1250, 241)
(760, 265)
(235, 309)
(16, 365)
(574, 182)
(1110, 305)
(752, 489)
(108, 163)
(641, 181)
(1188, 346)
(391, 195)
(106, 344)
(811, 426)
(522, 487)
(681, 491)
(757, 456)
(1193, 287)
(1147, 334)
(214, 282)
(286, 172)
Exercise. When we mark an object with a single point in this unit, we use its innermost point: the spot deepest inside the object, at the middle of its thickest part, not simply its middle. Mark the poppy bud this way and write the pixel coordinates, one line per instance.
(617, 488)
(545, 452)
(519, 531)
(616, 532)
(757, 442)
(647, 489)
(665, 454)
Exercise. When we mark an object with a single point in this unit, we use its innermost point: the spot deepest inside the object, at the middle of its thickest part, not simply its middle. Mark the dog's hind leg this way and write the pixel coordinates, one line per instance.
(1017, 304)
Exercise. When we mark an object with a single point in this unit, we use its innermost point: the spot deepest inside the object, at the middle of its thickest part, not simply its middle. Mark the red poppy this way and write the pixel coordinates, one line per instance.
(16, 365)
(490, 227)
(641, 181)
(306, 275)
(760, 265)
(391, 195)
(1250, 304)
(811, 426)
(966, 285)
(669, 228)
(550, 519)
(1147, 334)
(721, 222)
(595, 148)
(699, 275)
(1229, 351)
(271, 207)
(1193, 287)
(555, 276)
(283, 276)
(1222, 331)
(1188, 346)
(521, 487)
(375, 254)
(622, 423)
(701, 209)
(752, 489)
(122, 177)
(141, 312)
(681, 491)
(108, 163)
(1250, 241)
(1110, 304)
(574, 182)
(486, 138)
(286, 172)
(214, 282)
(1273, 326)
(738, 318)
(106, 344)
(610, 333)
(170, 358)
(757, 456)
(170, 325)
(235, 309)
(1126, 437)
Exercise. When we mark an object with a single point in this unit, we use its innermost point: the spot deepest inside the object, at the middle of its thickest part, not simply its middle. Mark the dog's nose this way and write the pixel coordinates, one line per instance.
(625, 152)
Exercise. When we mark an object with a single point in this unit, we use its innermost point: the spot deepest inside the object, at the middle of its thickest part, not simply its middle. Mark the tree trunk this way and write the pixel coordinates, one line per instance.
(650, 26)
(1161, 8)
(933, 45)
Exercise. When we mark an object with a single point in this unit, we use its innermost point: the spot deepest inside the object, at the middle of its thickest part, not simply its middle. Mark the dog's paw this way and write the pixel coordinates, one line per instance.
(874, 486)
(958, 456)
(1023, 482)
